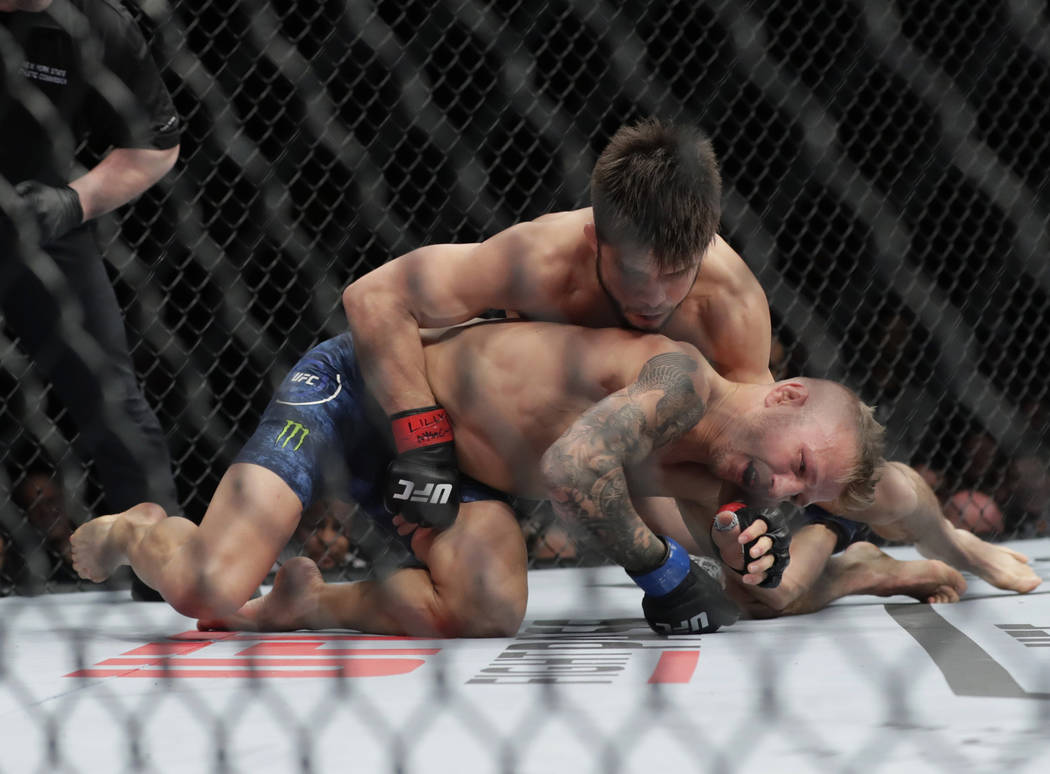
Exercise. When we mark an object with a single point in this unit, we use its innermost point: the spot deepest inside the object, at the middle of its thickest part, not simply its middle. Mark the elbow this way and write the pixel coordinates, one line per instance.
(552, 473)
(355, 305)
(561, 478)
(353, 298)
(363, 300)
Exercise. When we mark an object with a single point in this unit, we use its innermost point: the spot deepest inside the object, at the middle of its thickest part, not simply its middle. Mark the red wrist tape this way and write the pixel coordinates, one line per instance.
(416, 429)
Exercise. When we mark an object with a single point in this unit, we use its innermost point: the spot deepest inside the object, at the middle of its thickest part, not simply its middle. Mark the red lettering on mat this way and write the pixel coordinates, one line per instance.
(269, 656)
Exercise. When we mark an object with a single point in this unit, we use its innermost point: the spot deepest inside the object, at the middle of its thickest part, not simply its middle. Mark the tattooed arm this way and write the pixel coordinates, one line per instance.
(584, 469)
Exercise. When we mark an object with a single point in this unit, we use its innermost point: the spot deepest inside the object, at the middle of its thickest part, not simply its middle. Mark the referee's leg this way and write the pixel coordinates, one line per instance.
(118, 429)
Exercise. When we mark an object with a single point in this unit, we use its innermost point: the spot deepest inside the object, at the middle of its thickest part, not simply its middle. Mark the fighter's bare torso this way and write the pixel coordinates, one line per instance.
(548, 268)
(513, 387)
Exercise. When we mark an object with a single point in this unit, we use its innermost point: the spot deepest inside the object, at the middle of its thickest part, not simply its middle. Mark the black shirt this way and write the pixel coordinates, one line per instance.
(58, 88)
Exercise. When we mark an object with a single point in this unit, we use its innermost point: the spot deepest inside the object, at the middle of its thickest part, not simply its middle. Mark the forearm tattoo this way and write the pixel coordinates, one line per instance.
(585, 467)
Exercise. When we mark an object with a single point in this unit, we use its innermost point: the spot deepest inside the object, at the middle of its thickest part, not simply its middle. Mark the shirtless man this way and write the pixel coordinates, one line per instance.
(591, 418)
(645, 256)
(549, 258)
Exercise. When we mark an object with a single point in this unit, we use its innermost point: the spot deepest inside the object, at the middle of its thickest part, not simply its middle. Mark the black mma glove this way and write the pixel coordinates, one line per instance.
(422, 483)
(778, 520)
(682, 598)
(57, 210)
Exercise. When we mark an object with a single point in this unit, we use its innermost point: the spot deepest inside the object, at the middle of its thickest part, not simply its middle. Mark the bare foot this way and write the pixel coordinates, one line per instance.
(290, 605)
(927, 580)
(100, 545)
(1001, 566)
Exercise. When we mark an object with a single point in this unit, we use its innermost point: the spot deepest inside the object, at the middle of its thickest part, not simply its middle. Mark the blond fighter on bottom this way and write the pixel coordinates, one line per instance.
(645, 416)
(793, 438)
(646, 255)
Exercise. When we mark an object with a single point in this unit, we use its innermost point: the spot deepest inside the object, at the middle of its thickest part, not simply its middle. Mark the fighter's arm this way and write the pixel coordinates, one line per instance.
(584, 470)
(585, 475)
(432, 287)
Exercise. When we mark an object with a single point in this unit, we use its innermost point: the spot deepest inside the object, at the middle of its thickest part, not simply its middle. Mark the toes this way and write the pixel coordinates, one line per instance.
(1032, 584)
(943, 595)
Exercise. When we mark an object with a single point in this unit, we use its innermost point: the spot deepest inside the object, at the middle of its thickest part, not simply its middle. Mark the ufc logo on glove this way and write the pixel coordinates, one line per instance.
(422, 482)
(694, 625)
(437, 495)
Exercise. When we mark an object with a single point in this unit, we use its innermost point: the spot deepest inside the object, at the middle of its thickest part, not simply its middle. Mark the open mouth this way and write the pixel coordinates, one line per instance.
(648, 320)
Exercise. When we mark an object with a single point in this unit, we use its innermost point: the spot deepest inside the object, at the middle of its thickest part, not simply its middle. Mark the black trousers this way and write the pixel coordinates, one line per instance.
(71, 326)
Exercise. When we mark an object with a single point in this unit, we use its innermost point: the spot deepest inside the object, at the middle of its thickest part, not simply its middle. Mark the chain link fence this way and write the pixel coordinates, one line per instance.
(884, 170)
(885, 179)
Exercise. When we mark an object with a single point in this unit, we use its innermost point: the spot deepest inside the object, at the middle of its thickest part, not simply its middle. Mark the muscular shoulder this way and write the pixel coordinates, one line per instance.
(723, 269)
(726, 316)
(649, 355)
(548, 250)
(115, 26)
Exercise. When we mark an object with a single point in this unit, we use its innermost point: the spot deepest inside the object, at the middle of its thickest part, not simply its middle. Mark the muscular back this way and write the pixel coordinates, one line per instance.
(513, 387)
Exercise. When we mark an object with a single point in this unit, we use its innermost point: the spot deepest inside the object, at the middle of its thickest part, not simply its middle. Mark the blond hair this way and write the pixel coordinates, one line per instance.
(860, 478)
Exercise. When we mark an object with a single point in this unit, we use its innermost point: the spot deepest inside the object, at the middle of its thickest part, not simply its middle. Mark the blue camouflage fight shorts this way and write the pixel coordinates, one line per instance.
(847, 531)
(324, 435)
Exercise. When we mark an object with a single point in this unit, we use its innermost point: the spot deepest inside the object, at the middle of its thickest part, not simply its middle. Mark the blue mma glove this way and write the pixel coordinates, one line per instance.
(681, 597)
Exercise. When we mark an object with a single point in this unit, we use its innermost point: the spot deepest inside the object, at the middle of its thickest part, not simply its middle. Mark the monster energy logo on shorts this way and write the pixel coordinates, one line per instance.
(290, 431)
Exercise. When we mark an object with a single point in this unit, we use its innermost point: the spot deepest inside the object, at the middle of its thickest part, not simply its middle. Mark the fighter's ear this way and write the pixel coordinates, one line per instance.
(786, 393)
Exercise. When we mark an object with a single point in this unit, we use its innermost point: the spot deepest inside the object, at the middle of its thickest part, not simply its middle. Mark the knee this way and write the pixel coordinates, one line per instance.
(488, 613)
(498, 614)
(205, 599)
(494, 599)
(210, 592)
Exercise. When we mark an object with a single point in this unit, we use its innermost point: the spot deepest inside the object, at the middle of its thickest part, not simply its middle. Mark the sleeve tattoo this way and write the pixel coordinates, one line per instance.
(585, 467)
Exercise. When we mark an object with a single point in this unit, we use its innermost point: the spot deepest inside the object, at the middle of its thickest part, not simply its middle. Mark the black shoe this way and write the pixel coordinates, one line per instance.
(140, 592)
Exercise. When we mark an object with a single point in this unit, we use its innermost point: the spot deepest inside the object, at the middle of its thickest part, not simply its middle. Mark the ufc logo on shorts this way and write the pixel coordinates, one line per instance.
(695, 624)
(436, 495)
